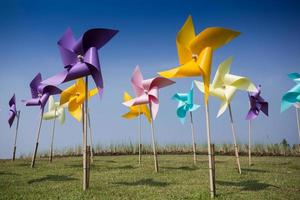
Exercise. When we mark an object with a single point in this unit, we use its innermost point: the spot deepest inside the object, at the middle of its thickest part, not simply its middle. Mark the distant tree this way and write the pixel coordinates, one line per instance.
(284, 143)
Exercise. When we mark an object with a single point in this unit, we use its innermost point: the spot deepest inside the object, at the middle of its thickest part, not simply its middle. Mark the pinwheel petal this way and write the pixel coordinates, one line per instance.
(137, 81)
(189, 69)
(75, 109)
(34, 84)
(222, 109)
(154, 106)
(131, 114)
(160, 82)
(183, 40)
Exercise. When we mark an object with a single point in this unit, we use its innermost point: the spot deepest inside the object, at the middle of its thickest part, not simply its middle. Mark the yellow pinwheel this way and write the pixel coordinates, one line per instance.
(195, 51)
(135, 111)
(75, 96)
(225, 85)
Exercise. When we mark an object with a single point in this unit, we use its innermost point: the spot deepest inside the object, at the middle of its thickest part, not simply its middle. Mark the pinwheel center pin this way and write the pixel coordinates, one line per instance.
(77, 93)
(40, 95)
(195, 57)
(146, 92)
(80, 58)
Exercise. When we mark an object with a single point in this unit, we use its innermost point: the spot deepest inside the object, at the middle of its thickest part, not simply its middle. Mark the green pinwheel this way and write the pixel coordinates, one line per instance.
(186, 104)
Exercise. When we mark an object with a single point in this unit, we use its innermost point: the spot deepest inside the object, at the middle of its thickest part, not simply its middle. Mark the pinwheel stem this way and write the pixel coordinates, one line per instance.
(140, 137)
(193, 138)
(298, 123)
(210, 159)
(91, 138)
(52, 137)
(85, 153)
(37, 138)
(234, 140)
(153, 142)
(16, 135)
(249, 145)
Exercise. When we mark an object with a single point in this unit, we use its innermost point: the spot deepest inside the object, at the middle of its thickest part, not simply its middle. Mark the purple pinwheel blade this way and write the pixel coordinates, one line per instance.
(34, 85)
(12, 110)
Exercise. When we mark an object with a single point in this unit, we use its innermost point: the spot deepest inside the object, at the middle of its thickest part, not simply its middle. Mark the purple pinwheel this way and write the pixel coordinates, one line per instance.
(80, 57)
(12, 110)
(257, 104)
(40, 92)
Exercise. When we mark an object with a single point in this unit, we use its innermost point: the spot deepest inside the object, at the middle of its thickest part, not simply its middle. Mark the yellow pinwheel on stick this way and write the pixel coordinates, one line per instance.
(137, 111)
(55, 110)
(195, 58)
(224, 87)
(74, 96)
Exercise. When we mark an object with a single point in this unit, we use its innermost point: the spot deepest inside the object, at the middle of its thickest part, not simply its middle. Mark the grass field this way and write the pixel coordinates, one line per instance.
(120, 177)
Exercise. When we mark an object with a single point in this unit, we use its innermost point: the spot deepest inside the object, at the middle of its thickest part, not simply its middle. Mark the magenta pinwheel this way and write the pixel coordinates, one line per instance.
(12, 110)
(147, 91)
(40, 92)
(257, 104)
(80, 57)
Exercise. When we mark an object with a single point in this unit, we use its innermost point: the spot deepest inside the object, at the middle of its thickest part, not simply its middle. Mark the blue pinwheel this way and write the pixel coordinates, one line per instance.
(185, 104)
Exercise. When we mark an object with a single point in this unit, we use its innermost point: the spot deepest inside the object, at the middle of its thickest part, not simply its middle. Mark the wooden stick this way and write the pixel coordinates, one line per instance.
(37, 138)
(16, 135)
(153, 142)
(140, 137)
(91, 138)
(213, 167)
(298, 123)
(210, 164)
(193, 138)
(234, 140)
(85, 183)
(249, 145)
(52, 137)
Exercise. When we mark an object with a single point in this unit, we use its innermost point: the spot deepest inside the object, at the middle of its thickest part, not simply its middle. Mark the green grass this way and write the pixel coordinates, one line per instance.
(120, 177)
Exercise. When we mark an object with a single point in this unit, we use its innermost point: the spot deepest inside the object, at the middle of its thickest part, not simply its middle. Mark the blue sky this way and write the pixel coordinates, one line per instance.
(266, 51)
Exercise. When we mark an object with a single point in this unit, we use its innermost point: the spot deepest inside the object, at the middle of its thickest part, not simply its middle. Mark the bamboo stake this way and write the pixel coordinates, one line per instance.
(91, 138)
(52, 137)
(234, 140)
(210, 164)
(140, 137)
(153, 142)
(16, 135)
(298, 123)
(193, 138)
(213, 167)
(37, 138)
(249, 145)
(85, 183)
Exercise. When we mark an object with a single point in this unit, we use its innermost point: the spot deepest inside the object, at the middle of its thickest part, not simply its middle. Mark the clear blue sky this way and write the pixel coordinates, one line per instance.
(266, 51)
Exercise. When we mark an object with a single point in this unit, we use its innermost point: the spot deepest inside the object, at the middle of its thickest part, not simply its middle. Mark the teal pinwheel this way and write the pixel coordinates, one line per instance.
(292, 96)
(186, 104)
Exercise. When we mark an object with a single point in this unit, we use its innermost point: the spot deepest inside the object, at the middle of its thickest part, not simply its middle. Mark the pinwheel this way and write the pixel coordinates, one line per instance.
(40, 93)
(80, 57)
(137, 111)
(12, 114)
(224, 87)
(54, 111)
(76, 98)
(195, 57)
(257, 104)
(147, 93)
(185, 104)
(292, 97)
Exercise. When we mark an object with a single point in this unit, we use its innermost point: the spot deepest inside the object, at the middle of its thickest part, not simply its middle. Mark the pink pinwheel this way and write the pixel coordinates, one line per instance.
(147, 90)
(147, 93)
(257, 104)
(80, 57)
(12, 110)
(40, 92)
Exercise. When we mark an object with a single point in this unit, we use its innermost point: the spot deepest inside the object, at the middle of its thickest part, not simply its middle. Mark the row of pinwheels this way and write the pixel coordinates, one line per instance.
(80, 59)
(195, 58)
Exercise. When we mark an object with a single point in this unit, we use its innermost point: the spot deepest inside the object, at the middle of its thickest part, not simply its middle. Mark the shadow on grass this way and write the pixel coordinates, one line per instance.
(52, 178)
(186, 168)
(9, 173)
(249, 185)
(254, 170)
(148, 182)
